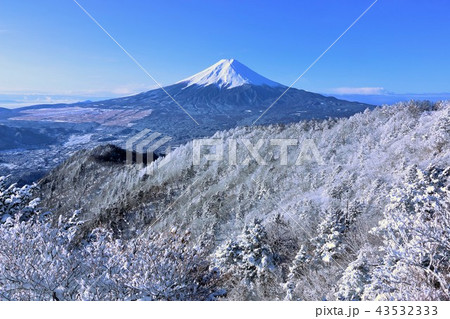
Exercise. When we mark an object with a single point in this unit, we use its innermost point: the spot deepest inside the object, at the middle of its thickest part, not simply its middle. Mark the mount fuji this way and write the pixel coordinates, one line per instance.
(228, 73)
(225, 95)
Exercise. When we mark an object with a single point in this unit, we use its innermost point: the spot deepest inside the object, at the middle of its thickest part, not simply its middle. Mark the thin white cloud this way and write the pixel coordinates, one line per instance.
(359, 90)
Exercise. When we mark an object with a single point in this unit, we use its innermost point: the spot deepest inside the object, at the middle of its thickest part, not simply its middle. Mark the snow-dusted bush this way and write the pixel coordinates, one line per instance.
(16, 200)
(35, 262)
(38, 262)
(157, 267)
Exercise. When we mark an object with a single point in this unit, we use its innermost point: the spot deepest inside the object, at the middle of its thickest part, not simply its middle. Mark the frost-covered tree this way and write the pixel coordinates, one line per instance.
(356, 276)
(441, 131)
(329, 242)
(299, 264)
(331, 230)
(249, 254)
(249, 260)
(416, 233)
(320, 253)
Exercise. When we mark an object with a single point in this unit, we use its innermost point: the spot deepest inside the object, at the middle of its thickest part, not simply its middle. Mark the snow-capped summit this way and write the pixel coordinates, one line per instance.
(228, 73)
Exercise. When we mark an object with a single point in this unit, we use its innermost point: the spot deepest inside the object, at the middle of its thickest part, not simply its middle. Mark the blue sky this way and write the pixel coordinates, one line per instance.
(51, 46)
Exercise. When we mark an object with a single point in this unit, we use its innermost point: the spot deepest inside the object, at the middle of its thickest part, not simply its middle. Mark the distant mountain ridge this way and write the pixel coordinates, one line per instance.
(223, 96)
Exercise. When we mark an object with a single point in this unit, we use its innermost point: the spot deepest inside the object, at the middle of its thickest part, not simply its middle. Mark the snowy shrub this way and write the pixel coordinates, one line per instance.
(41, 262)
(16, 201)
(159, 267)
(38, 262)
(35, 262)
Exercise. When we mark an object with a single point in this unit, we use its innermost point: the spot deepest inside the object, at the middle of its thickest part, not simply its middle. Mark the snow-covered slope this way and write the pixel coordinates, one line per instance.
(228, 73)
(242, 228)
(324, 210)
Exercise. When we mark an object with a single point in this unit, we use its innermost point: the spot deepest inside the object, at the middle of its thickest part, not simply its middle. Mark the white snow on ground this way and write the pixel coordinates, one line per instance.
(78, 139)
(228, 73)
(108, 117)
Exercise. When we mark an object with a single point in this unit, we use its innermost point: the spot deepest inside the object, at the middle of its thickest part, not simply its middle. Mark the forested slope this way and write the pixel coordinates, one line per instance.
(364, 212)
